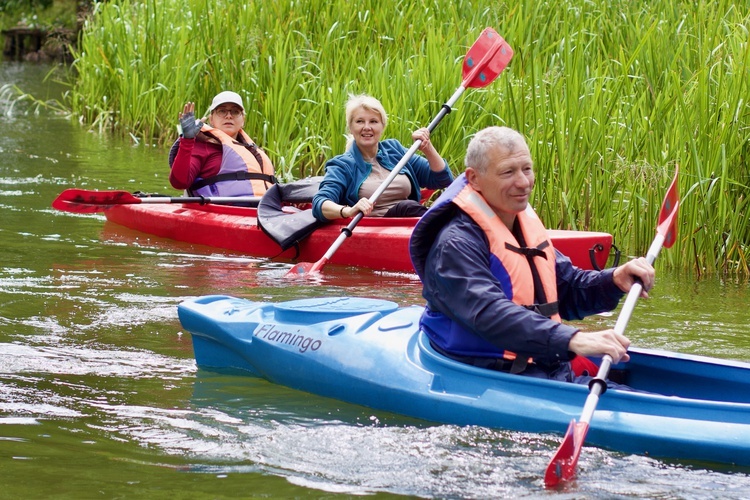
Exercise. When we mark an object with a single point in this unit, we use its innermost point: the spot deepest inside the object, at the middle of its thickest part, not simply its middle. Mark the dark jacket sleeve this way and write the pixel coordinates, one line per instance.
(582, 293)
(458, 282)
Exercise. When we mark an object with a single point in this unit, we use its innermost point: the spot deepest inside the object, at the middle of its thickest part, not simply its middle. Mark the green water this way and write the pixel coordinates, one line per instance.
(100, 396)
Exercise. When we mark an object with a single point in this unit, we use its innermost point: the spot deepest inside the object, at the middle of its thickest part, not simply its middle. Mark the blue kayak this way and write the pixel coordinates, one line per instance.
(371, 352)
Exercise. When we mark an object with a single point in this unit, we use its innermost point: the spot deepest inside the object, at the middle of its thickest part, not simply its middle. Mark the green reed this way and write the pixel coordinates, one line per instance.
(611, 94)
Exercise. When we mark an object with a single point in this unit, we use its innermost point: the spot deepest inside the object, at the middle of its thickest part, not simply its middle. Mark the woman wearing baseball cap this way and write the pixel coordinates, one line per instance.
(219, 158)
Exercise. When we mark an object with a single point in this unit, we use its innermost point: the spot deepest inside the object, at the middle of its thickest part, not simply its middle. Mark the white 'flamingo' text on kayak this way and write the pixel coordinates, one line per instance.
(274, 334)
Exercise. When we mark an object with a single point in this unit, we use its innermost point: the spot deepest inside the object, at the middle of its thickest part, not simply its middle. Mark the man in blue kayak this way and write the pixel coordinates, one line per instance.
(496, 289)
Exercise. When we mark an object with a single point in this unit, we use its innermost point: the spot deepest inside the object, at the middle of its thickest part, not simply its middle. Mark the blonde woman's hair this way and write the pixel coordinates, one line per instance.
(366, 102)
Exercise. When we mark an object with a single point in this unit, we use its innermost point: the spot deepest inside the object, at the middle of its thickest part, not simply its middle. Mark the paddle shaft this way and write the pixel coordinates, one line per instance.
(347, 231)
(200, 199)
(622, 321)
(87, 201)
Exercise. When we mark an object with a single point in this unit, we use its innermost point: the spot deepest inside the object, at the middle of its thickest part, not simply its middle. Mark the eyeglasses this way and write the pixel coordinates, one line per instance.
(235, 112)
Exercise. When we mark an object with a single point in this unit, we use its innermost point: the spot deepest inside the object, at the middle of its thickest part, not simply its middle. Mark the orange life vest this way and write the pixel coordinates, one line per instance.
(516, 275)
(245, 169)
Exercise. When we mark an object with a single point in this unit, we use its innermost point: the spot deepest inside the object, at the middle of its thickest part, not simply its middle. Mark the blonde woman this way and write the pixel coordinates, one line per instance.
(351, 178)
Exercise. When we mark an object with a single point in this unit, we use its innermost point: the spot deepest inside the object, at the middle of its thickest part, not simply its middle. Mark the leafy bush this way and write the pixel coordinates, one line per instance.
(39, 13)
(19, 5)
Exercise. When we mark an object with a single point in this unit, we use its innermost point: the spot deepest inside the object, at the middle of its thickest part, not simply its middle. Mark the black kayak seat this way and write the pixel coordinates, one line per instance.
(285, 228)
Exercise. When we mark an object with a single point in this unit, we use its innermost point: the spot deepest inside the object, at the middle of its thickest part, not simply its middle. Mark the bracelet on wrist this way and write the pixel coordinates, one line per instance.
(341, 212)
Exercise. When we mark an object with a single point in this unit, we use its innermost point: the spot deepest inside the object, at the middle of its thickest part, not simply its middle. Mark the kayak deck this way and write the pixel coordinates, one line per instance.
(370, 352)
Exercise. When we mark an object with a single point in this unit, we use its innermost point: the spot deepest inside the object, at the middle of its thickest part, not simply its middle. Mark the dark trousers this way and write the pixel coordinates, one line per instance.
(406, 208)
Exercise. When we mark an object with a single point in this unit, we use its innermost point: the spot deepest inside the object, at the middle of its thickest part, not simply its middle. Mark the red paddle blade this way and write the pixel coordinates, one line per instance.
(85, 201)
(305, 269)
(668, 228)
(562, 467)
(299, 270)
(486, 59)
(668, 214)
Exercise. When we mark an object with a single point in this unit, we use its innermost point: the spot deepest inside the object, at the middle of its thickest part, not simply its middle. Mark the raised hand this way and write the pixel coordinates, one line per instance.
(190, 126)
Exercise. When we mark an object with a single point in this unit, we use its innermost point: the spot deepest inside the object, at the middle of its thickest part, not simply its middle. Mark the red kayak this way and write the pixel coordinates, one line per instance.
(377, 243)
(282, 227)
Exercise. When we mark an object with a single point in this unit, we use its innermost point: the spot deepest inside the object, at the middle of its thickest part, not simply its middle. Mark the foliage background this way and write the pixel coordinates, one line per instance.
(611, 94)
(40, 13)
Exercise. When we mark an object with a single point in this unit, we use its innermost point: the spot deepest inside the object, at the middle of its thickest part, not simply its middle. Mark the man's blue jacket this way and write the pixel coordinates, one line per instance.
(451, 255)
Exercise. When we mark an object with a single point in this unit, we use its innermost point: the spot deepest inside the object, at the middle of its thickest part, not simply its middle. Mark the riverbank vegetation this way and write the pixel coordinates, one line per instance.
(40, 30)
(40, 13)
(612, 95)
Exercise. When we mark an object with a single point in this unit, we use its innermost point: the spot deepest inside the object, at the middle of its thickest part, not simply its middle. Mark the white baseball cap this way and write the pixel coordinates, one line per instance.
(225, 97)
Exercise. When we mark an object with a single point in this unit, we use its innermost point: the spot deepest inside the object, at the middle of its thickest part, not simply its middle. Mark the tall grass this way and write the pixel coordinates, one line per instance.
(611, 94)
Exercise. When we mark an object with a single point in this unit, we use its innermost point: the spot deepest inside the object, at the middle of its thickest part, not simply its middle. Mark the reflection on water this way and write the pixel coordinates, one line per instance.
(99, 391)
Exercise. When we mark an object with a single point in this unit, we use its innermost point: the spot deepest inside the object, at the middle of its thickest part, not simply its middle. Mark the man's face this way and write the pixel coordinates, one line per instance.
(508, 181)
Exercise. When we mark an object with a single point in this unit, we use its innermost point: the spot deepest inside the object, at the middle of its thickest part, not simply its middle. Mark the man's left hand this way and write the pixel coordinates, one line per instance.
(626, 275)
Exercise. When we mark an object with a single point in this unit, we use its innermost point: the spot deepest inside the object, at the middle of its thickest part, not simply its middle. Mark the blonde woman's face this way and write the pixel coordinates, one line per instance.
(366, 127)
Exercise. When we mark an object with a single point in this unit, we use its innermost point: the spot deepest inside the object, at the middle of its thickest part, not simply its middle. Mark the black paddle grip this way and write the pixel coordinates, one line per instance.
(444, 110)
(596, 381)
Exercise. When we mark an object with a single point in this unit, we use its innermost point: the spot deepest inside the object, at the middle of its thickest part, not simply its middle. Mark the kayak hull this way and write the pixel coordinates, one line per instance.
(377, 243)
(370, 352)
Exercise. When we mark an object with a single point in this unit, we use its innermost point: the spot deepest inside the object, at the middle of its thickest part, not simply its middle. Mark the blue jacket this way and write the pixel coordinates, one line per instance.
(346, 172)
(451, 254)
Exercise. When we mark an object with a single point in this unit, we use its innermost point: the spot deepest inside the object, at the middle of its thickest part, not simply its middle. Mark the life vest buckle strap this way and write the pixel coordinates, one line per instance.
(548, 310)
(529, 251)
(254, 151)
(233, 176)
